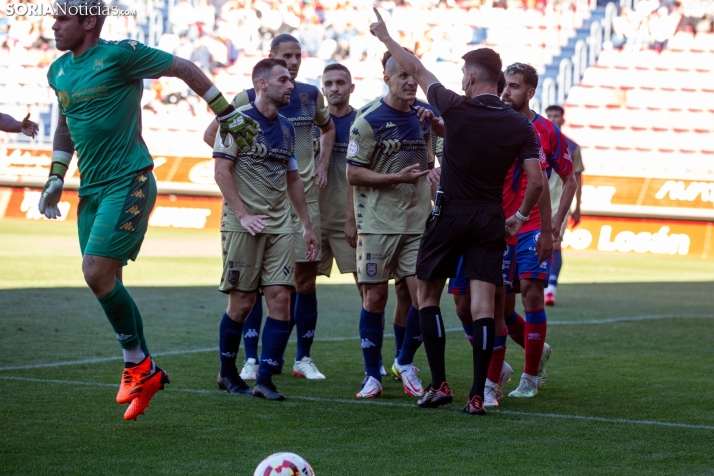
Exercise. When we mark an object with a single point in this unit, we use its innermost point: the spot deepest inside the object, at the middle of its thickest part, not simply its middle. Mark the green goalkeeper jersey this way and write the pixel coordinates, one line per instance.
(99, 93)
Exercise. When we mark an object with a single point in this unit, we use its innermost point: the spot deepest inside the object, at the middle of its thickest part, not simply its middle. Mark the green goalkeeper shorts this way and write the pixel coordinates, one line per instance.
(112, 222)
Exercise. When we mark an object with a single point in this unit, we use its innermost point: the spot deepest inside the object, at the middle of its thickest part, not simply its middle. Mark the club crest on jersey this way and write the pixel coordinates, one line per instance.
(98, 64)
(286, 133)
(352, 148)
(371, 270)
(233, 276)
(227, 144)
(304, 99)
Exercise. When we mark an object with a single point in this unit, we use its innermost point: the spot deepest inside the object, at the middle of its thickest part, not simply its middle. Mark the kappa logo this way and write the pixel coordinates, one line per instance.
(389, 124)
(359, 215)
(250, 333)
(366, 343)
(127, 226)
(138, 194)
(309, 334)
(359, 257)
(371, 270)
(61, 72)
(133, 44)
(534, 336)
(124, 337)
(133, 210)
(230, 355)
(391, 146)
(354, 132)
(361, 205)
(271, 362)
(362, 195)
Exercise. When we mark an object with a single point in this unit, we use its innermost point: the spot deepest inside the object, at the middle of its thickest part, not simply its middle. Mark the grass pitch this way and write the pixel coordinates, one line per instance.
(628, 382)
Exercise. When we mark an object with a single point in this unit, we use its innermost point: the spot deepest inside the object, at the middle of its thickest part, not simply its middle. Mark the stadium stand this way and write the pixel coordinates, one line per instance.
(227, 39)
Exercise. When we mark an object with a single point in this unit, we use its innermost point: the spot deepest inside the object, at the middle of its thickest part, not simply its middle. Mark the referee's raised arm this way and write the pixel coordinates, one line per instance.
(410, 63)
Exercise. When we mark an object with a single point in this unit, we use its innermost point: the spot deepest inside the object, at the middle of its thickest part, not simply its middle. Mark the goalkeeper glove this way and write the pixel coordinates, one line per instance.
(240, 127)
(49, 200)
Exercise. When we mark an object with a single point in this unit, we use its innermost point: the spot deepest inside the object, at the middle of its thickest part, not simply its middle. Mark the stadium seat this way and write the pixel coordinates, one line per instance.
(645, 140)
(706, 143)
(681, 41)
(640, 118)
(623, 139)
(684, 120)
(703, 42)
(608, 58)
(666, 142)
(577, 96)
(661, 120)
(599, 117)
(577, 116)
(688, 142)
(619, 117)
(645, 59)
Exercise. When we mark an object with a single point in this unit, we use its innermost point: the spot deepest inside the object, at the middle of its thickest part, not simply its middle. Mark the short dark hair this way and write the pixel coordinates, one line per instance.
(501, 84)
(263, 68)
(387, 55)
(486, 62)
(529, 73)
(280, 39)
(338, 67)
(555, 107)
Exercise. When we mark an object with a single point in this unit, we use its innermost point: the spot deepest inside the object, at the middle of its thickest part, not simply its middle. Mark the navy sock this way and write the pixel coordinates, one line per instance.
(251, 328)
(305, 321)
(293, 301)
(399, 332)
(412, 339)
(555, 266)
(371, 336)
(434, 335)
(229, 335)
(275, 339)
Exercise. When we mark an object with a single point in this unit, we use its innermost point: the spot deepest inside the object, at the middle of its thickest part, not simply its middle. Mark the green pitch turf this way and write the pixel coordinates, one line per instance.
(628, 392)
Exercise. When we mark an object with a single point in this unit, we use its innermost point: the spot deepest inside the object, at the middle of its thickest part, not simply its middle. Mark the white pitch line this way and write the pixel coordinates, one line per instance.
(97, 360)
(391, 404)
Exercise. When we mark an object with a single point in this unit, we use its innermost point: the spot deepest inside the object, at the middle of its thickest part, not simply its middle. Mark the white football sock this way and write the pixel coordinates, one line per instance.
(134, 356)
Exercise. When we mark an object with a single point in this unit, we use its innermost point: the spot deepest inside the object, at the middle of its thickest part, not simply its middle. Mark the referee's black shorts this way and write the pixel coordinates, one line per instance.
(475, 231)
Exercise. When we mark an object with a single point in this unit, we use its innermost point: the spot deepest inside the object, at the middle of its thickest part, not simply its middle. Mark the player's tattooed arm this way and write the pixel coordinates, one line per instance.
(190, 74)
(223, 173)
(327, 143)
(62, 140)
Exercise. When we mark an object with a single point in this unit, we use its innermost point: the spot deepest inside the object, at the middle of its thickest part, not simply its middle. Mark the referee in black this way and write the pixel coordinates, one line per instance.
(468, 219)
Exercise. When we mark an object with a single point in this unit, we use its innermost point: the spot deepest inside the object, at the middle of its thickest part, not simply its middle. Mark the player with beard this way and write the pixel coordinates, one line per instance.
(467, 219)
(339, 230)
(306, 109)
(258, 186)
(535, 240)
(99, 86)
(388, 154)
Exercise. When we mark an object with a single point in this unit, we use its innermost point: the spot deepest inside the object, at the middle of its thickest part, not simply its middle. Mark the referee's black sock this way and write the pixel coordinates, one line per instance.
(484, 334)
(432, 331)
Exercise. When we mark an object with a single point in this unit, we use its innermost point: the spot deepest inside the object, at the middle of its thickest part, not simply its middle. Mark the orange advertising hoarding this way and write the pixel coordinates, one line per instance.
(196, 213)
(642, 236)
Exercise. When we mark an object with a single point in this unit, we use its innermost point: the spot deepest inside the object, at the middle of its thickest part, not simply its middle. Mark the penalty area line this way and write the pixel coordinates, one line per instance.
(390, 404)
(611, 320)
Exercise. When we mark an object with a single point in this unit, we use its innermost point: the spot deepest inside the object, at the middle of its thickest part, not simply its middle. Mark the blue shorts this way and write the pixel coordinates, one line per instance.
(459, 285)
(527, 259)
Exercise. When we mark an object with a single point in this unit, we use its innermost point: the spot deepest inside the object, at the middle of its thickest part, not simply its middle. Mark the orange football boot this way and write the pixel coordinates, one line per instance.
(144, 391)
(129, 379)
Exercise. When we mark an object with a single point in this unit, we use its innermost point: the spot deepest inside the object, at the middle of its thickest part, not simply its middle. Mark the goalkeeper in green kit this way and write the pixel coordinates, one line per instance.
(99, 86)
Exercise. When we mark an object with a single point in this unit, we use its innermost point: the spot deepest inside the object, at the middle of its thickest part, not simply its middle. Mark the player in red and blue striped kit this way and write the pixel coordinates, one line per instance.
(535, 240)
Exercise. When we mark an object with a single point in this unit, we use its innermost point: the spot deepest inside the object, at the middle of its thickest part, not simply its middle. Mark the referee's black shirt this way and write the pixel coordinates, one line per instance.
(483, 137)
